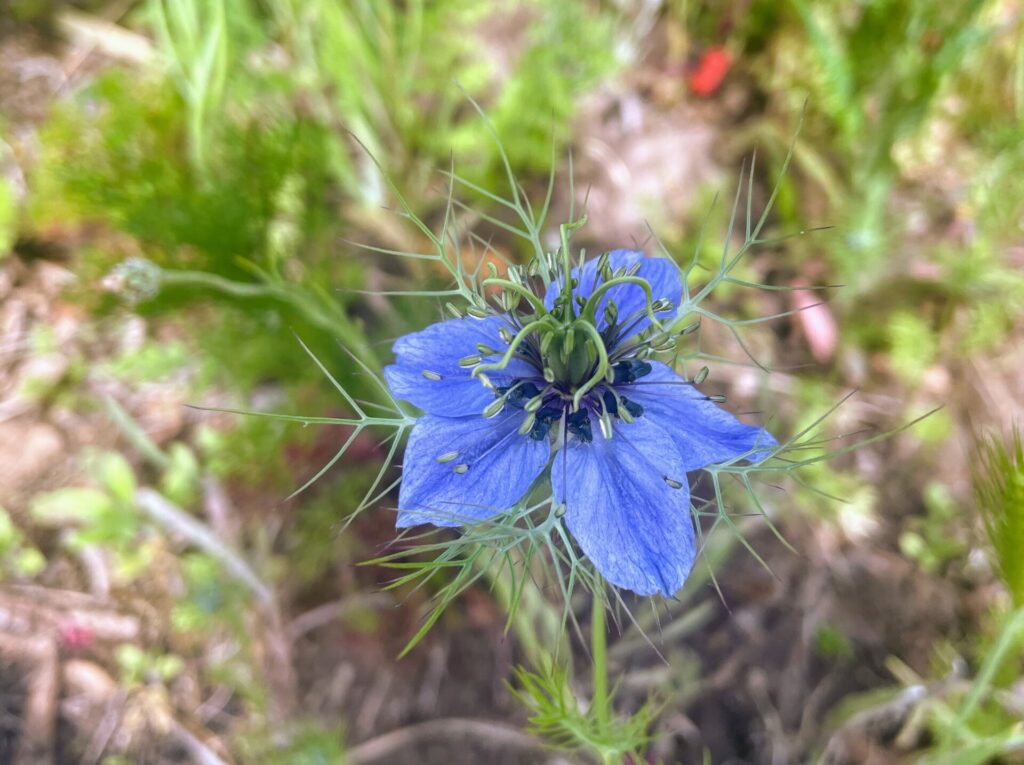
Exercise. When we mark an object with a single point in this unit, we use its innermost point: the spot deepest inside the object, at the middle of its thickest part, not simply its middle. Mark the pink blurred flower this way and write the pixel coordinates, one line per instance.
(76, 637)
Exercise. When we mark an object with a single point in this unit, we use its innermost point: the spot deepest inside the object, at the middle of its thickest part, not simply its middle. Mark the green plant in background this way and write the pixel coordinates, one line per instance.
(934, 540)
(8, 217)
(999, 493)
(876, 71)
(983, 720)
(976, 720)
(194, 39)
(18, 558)
(103, 515)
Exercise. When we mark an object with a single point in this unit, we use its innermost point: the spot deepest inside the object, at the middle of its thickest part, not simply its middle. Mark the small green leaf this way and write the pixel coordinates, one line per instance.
(70, 506)
(116, 475)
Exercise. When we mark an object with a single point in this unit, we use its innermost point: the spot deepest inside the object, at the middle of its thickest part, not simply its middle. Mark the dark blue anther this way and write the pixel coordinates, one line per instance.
(578, 423)
(632, 407)
(518, 395)
(611, 404)
(630, 371)
(545, 417)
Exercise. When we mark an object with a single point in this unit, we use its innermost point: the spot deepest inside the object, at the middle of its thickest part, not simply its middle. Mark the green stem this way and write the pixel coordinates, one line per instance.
(336, 323)
(599, 657)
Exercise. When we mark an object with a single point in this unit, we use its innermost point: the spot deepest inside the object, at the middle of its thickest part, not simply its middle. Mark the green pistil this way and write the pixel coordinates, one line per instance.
(590, 307)
(538, 325)
(599, 372)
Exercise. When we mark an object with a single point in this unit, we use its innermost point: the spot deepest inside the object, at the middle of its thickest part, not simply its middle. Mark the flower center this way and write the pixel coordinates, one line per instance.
(545, 404)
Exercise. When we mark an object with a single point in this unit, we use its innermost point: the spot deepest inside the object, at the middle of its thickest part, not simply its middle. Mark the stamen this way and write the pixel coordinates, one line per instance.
(634, 409)
(455, 311)
(661, 305)
(470, 361)
(718, 399)
(611, 312)
(701, 376)
(447, 457)
(672, 482)
(461, 468)
(431, 375)
(494, 408)
(486, 350)
(630, 371)
(478, 313)
(578, 423)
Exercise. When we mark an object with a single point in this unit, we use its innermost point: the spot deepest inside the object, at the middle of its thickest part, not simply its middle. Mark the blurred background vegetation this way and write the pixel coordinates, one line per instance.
(186, 185)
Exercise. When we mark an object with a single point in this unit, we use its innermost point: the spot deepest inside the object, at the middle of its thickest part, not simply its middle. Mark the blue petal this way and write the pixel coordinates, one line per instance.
(438, 349)
(661, 274)
(703, 432)
(635, 528)
(501, 466)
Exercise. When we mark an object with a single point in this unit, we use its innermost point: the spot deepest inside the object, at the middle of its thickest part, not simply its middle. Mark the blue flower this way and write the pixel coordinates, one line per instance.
(571, 387)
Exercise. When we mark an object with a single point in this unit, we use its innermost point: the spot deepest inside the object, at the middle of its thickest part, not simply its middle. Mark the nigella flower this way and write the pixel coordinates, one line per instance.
(570, 387)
